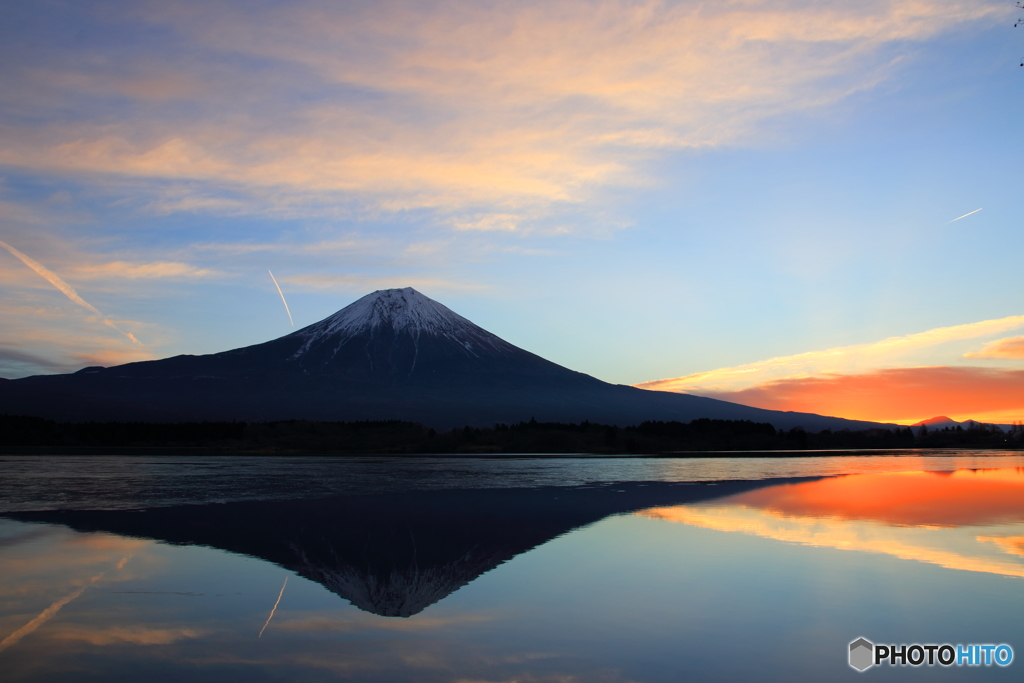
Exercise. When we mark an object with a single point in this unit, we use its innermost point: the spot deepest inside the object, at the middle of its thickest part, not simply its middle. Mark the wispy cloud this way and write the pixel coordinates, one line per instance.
(1007, 348)
(449, 106)
(158, 270)
(363, 283)
(836, 360)
(65, 288)
(37, 340)
(30, 362)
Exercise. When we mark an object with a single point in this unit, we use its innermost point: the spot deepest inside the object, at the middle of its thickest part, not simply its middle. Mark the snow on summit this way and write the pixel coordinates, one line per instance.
(403, 311)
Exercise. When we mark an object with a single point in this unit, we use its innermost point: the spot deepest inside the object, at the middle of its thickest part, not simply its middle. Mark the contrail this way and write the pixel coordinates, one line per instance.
(274, 608)
(48, 613)
(287, 310)
(64, 287)
(964, 216)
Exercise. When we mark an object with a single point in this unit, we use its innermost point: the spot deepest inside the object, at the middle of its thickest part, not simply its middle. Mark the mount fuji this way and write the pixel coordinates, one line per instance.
(393, 354)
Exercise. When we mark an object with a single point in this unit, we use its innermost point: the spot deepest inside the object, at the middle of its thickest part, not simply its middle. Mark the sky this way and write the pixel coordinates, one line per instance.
(809, 206)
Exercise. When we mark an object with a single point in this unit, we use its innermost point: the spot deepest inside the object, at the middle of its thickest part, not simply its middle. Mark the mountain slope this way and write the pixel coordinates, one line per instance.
(394, 354)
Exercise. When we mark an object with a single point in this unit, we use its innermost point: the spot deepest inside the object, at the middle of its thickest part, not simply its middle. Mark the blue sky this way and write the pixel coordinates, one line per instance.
(636, 190)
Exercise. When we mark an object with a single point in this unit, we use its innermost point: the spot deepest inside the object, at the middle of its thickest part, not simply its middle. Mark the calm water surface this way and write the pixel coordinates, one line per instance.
(521, 569)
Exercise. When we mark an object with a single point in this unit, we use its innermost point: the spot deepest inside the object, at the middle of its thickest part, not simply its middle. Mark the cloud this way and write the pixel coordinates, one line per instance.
(828, 361)
(16, 358)
(158, 270)
(362, 283)
(1009, 347)
(447, 106)
(902, 395)
(65, 288)
(109, 357)
(33, 624)
(498, 221)
(31, 346)
(51, 277)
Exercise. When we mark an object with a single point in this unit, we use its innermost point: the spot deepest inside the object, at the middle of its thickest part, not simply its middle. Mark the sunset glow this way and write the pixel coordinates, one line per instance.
(966, 520)
(777, 203)
(901, 395)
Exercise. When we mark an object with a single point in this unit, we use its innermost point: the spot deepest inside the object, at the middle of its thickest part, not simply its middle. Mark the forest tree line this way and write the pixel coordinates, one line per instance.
(21, 434)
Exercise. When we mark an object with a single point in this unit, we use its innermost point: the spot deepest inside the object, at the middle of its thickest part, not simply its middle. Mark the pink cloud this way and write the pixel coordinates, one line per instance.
(1009, 347)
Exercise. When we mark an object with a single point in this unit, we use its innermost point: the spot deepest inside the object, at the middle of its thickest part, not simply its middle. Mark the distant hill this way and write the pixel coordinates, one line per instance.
(393, 354)
(942, 422)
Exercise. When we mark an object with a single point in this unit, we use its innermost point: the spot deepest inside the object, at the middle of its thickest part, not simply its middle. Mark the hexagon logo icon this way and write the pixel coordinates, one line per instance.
(862, 654)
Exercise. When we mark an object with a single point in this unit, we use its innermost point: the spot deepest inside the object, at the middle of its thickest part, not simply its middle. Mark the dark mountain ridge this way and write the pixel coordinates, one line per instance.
(393, 354)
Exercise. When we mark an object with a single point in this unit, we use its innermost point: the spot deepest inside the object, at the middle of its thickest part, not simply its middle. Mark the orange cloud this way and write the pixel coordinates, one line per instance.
(524, 103)
(893, 395)
(843, 359)
(1010, 347)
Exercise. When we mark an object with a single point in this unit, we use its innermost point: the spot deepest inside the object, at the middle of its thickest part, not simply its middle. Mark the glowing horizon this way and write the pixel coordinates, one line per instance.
(634, 190)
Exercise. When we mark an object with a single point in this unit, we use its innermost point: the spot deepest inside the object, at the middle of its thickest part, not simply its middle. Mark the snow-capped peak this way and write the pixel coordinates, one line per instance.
(403, 311)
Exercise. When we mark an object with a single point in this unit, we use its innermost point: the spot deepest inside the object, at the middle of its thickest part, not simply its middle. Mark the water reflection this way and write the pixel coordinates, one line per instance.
(566, 584)
(967, 519)
(390, 554)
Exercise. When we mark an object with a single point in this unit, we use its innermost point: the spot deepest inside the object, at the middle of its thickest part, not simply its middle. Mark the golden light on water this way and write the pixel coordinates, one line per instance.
(969, 519)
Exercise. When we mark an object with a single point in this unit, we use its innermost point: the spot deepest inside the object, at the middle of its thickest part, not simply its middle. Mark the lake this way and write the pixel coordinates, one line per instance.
(527, 569)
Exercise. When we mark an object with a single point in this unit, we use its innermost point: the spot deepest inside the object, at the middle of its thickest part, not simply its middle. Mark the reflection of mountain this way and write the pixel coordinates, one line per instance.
(391, 554)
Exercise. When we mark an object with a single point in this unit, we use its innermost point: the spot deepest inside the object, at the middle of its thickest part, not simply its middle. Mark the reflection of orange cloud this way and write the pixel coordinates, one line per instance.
(1014, 545)
(962, 498)
(893, 395)
(909, 515)
(904, 543)
(1010, 347)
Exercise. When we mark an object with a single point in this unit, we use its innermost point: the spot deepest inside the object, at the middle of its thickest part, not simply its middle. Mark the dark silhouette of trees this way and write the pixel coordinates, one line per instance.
(20, 434)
